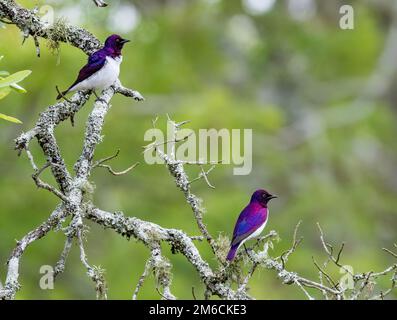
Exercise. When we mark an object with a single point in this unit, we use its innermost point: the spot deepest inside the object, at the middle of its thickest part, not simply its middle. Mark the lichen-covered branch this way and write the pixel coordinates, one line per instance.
(71, 188)
(177, 171)
(77, 210)
(12, 284)
(150, 234)
(30, 24)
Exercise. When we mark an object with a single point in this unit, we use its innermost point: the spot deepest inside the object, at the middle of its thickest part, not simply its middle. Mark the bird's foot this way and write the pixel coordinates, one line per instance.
(99, 98)
(137, 96)
(95, 94)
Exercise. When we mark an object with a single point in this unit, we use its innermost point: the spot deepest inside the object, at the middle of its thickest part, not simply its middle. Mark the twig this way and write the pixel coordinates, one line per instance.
(46, 186)
(200, 163)
(382, 295)
(271, 234)
(129, 93)
(155, 145)
(96, 274)
(162, 295)
(37, 45)
(339, 253)
(295, 243)
(363, 285)
(244, 284)
(197, 238)
(12, 285)
(204, 174)
(390, 252)
(106, 159)
(304, 290)
(31, 159)
(142, 278)
(118, 173)
(60, 265)
(176, 169)
(100, 163)
(327, 276)
(329, 249)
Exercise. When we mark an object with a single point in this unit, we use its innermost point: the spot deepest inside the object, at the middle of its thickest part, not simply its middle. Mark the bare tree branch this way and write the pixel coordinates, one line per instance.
(176, 169)
(60, 265)
(295, 243)
(46, 186)
(72, 186)
(11, 285)
(142, 278)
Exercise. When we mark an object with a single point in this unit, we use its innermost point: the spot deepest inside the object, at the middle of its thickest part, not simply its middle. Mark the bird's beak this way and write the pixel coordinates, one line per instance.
(272, 197)
(124, 41)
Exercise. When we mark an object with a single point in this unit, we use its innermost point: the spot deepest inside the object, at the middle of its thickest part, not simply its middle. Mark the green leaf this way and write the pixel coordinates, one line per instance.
(4, 73)
(8, 118)
(14, 78)
(17, 88)
(1, 57)
(4, 92)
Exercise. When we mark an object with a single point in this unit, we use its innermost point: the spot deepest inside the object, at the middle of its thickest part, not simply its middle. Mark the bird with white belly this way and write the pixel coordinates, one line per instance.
(102, 69)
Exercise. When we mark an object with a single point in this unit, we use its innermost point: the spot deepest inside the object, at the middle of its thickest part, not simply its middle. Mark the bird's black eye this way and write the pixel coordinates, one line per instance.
(264, 195)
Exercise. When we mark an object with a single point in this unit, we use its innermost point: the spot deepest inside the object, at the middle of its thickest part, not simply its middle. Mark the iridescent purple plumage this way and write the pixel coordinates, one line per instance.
(98, 73)
(251, 221)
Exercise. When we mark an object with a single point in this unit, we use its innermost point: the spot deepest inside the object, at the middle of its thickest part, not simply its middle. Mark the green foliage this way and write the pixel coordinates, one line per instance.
(8, 82)
(9, 118)
(14, 78)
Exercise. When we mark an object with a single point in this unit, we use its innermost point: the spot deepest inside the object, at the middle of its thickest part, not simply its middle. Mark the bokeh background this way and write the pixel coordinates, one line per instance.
(321, 102)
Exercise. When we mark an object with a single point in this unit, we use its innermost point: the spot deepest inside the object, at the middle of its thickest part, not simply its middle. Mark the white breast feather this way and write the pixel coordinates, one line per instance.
(258, 231)
(103, 78)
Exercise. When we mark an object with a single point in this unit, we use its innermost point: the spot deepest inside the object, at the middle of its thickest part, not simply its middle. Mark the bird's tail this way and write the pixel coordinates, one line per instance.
(61, 94)
(232, 252)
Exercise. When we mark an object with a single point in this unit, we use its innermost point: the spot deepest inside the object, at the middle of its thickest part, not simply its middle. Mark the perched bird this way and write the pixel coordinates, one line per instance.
(102, 69)
(251, 222)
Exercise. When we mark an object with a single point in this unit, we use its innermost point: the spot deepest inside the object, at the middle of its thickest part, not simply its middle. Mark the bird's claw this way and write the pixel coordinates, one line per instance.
(137, 96)
(101, 100)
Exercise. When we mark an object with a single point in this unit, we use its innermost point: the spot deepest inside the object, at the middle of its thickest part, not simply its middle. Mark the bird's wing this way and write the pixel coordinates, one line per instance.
(250, 219)
(95, 62)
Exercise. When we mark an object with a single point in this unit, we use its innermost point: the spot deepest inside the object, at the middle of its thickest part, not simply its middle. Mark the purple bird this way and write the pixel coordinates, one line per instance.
(102, 69)
(251, 222)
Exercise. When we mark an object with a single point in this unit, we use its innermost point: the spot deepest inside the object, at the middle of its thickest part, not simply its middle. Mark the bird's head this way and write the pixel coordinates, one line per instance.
(262, 196)
(115, 42)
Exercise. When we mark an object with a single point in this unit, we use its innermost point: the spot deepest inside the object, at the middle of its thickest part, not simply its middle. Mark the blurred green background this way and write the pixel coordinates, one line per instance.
(321, 102)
